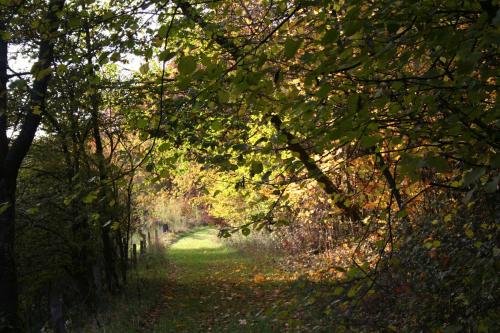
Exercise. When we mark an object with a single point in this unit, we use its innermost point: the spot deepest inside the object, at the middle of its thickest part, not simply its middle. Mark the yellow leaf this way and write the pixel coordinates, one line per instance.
(37, 110)
(259, 278)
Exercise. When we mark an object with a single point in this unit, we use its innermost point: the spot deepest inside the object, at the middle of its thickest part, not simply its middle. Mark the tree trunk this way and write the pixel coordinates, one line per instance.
(107, 241)
(56, 308)
(8, 278)
(112, 281)
(8, 281)
(12, 157)
(134, 255)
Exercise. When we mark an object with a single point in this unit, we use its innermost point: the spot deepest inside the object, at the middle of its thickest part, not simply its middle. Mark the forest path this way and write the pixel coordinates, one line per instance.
(215, 288)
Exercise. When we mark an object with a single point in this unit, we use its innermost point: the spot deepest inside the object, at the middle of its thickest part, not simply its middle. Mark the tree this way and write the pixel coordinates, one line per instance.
(11, 156)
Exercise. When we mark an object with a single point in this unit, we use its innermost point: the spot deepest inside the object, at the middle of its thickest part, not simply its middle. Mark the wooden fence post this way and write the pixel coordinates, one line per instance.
(143, 246)
(134, 255)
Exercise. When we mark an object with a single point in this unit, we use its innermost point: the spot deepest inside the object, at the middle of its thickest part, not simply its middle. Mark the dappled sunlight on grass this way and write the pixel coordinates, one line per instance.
(203, 238)
(215, 288)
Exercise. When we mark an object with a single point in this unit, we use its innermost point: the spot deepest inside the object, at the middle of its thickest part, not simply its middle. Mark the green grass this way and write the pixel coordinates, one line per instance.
(200, 284)
(216, 288)
(208, 287)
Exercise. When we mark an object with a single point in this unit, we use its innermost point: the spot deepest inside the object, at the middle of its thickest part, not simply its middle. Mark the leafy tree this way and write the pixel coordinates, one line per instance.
(13, 154)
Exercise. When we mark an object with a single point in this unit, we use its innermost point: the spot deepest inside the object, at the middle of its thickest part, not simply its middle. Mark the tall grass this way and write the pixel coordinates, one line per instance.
(178, 214)
(259, 244)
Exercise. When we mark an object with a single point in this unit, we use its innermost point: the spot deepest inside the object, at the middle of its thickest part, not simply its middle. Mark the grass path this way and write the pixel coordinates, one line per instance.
(214, 288)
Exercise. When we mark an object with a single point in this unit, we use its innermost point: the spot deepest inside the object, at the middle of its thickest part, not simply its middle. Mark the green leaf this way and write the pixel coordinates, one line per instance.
(4, 206)
(492, 185)
(240, 147)
(43, 73)
(469, 195)
(142, 123)
(144, 69)
(216, 125)
(61, 69)
(33, 210)
(311, 300)
(166, 55)
(256, 168)
(323, 91)
(245, 231)
(330, 36)
(291, 47)
(495, 160)
(265, 176)
(223, 96)
(369, 141)
(91, 197)
(351, 27)
(5, 35)
(437, 162)
(473, 175)
(115, 57)
(165, 173)
(353, 102)
(402, 213)
(163, 147)
(469, 233)
(74, 22)
(186, 65)
(353, 291)
(162, 32)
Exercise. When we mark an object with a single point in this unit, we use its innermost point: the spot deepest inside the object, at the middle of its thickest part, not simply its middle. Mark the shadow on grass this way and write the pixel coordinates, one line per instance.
(218, 289)
(224, 303)
(202, 285)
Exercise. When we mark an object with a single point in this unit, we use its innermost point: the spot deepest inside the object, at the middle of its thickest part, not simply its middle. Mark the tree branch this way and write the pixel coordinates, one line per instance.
(36, 106)
(350, 211)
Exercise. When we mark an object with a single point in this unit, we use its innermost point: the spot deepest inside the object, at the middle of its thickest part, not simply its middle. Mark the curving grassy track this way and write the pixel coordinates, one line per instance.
(214, 288)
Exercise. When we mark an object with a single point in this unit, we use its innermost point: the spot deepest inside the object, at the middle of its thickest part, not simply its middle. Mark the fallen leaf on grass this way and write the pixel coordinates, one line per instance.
(259, 278)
